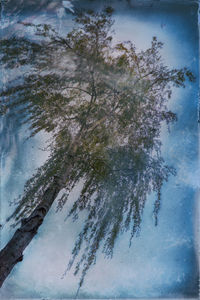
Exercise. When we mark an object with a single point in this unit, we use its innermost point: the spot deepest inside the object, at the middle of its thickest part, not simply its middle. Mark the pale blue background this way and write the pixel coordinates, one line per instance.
(162, 262)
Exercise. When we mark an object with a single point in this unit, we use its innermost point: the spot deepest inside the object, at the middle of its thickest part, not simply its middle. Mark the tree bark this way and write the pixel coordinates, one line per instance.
(12, 253)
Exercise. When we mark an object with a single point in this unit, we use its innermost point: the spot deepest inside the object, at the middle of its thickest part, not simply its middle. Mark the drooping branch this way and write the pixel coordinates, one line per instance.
(105, 113)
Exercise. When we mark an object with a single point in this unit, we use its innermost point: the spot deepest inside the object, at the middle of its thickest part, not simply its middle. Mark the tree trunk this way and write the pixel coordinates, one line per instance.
(12, 253)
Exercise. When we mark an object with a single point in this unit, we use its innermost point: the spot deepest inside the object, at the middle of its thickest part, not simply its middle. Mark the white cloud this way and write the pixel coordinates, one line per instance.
(68, 4)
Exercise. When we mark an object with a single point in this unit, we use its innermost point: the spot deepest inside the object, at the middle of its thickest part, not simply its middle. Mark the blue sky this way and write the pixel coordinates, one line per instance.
(162, 261)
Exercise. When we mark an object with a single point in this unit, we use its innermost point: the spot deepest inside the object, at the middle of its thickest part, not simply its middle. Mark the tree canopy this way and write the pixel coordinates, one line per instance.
(103, 105)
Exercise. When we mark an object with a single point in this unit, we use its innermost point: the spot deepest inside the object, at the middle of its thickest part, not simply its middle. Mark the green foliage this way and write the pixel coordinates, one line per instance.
(104, 106)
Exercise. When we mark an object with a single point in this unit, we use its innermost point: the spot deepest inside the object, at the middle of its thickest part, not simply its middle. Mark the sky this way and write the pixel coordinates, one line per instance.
(162, 261)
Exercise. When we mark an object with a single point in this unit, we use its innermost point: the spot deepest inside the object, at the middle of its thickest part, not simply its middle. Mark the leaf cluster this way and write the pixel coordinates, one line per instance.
(104, 106)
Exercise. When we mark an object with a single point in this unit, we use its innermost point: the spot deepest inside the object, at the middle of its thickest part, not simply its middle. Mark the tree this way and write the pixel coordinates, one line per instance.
(103, 105)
